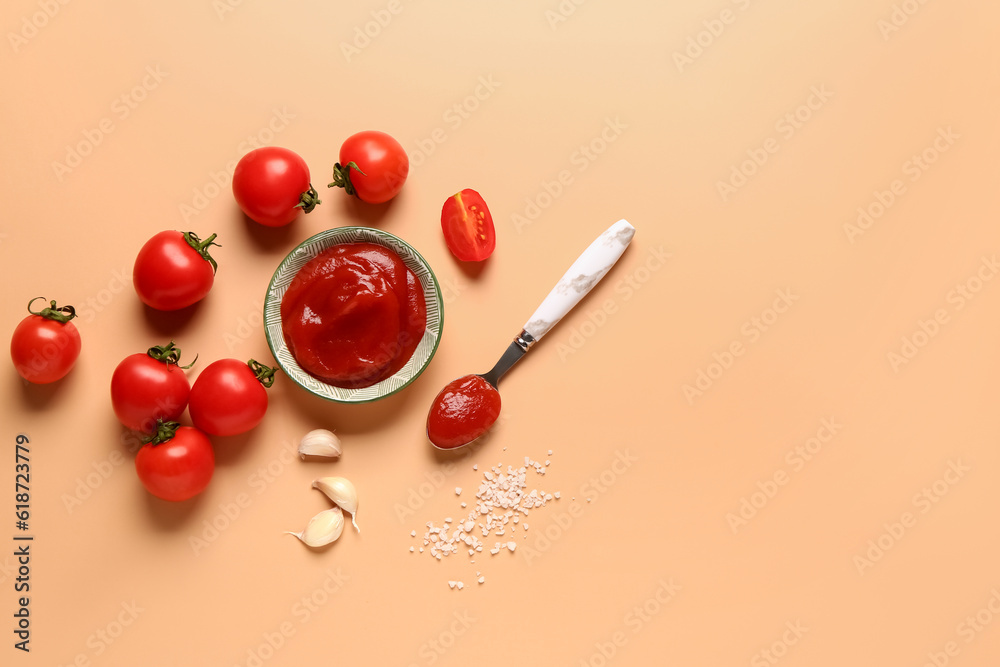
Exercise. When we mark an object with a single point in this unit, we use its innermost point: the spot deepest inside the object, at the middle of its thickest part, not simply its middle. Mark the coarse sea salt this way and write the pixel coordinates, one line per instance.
(502, 497)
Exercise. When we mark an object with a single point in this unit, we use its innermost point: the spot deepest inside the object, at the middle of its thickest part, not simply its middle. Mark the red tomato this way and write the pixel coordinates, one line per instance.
(174, 270)
(149, 386)
(372, 165)
(271, 184)
(468, 226)
(45, 344)
(464, 410)
(229, 397)
(177, 463)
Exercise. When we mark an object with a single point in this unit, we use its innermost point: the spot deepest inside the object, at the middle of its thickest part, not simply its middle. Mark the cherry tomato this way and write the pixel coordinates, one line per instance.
(45, 344)
(177, 463)
(230, 397)
(464, 410)
(271, 185)
(468, 226)
(174, 270)
(149, 386)
(372, 165)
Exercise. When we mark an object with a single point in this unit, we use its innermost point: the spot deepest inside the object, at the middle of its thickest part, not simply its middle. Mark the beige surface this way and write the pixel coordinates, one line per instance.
(832, 305)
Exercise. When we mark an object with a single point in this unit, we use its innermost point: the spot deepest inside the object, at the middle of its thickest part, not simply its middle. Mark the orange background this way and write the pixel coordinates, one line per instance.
(836, 559)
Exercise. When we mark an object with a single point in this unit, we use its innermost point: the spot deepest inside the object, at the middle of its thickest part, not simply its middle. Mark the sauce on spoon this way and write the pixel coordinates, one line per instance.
(464, 410)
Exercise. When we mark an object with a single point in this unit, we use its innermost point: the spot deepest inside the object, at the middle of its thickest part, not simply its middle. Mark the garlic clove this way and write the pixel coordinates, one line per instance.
(323, 528)
(342, 493)
(320, 442)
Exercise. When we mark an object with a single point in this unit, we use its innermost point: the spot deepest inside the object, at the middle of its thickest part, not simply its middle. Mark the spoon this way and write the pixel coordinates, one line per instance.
(468, 406)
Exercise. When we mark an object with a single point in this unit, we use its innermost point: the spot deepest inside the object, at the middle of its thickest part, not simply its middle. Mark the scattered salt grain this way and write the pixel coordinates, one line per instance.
(482, 580)
(550, 452)
(502, 496)
(411, 550)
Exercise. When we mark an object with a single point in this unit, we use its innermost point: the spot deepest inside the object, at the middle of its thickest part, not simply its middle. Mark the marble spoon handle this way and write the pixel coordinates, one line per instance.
(586, 271)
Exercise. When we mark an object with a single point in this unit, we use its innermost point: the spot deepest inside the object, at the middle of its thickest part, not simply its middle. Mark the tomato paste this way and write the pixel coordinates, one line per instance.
(353, 315)
(463, 411)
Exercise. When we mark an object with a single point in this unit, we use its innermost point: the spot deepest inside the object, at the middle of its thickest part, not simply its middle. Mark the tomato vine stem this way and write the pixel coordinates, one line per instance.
(164, 432)
(308, 200)
(169, 354)
(342, 177)
(263, 373)
(201, 247)
(53, 312)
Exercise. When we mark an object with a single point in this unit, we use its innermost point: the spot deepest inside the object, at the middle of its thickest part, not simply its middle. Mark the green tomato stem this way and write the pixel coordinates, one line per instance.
(308, 200)
(56, 313)
(164, 432)
(263, 373)
(169, 354)
(342, 177)
(201, 247)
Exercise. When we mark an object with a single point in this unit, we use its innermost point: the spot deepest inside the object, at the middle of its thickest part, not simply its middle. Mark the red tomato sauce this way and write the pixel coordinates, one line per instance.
(464, 410)
(353, 315)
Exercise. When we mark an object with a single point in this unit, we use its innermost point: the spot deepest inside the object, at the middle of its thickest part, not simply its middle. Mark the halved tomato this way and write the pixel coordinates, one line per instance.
(468, 226)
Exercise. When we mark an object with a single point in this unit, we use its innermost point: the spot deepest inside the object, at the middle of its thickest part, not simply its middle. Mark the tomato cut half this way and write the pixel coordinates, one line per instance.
(468, 226)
